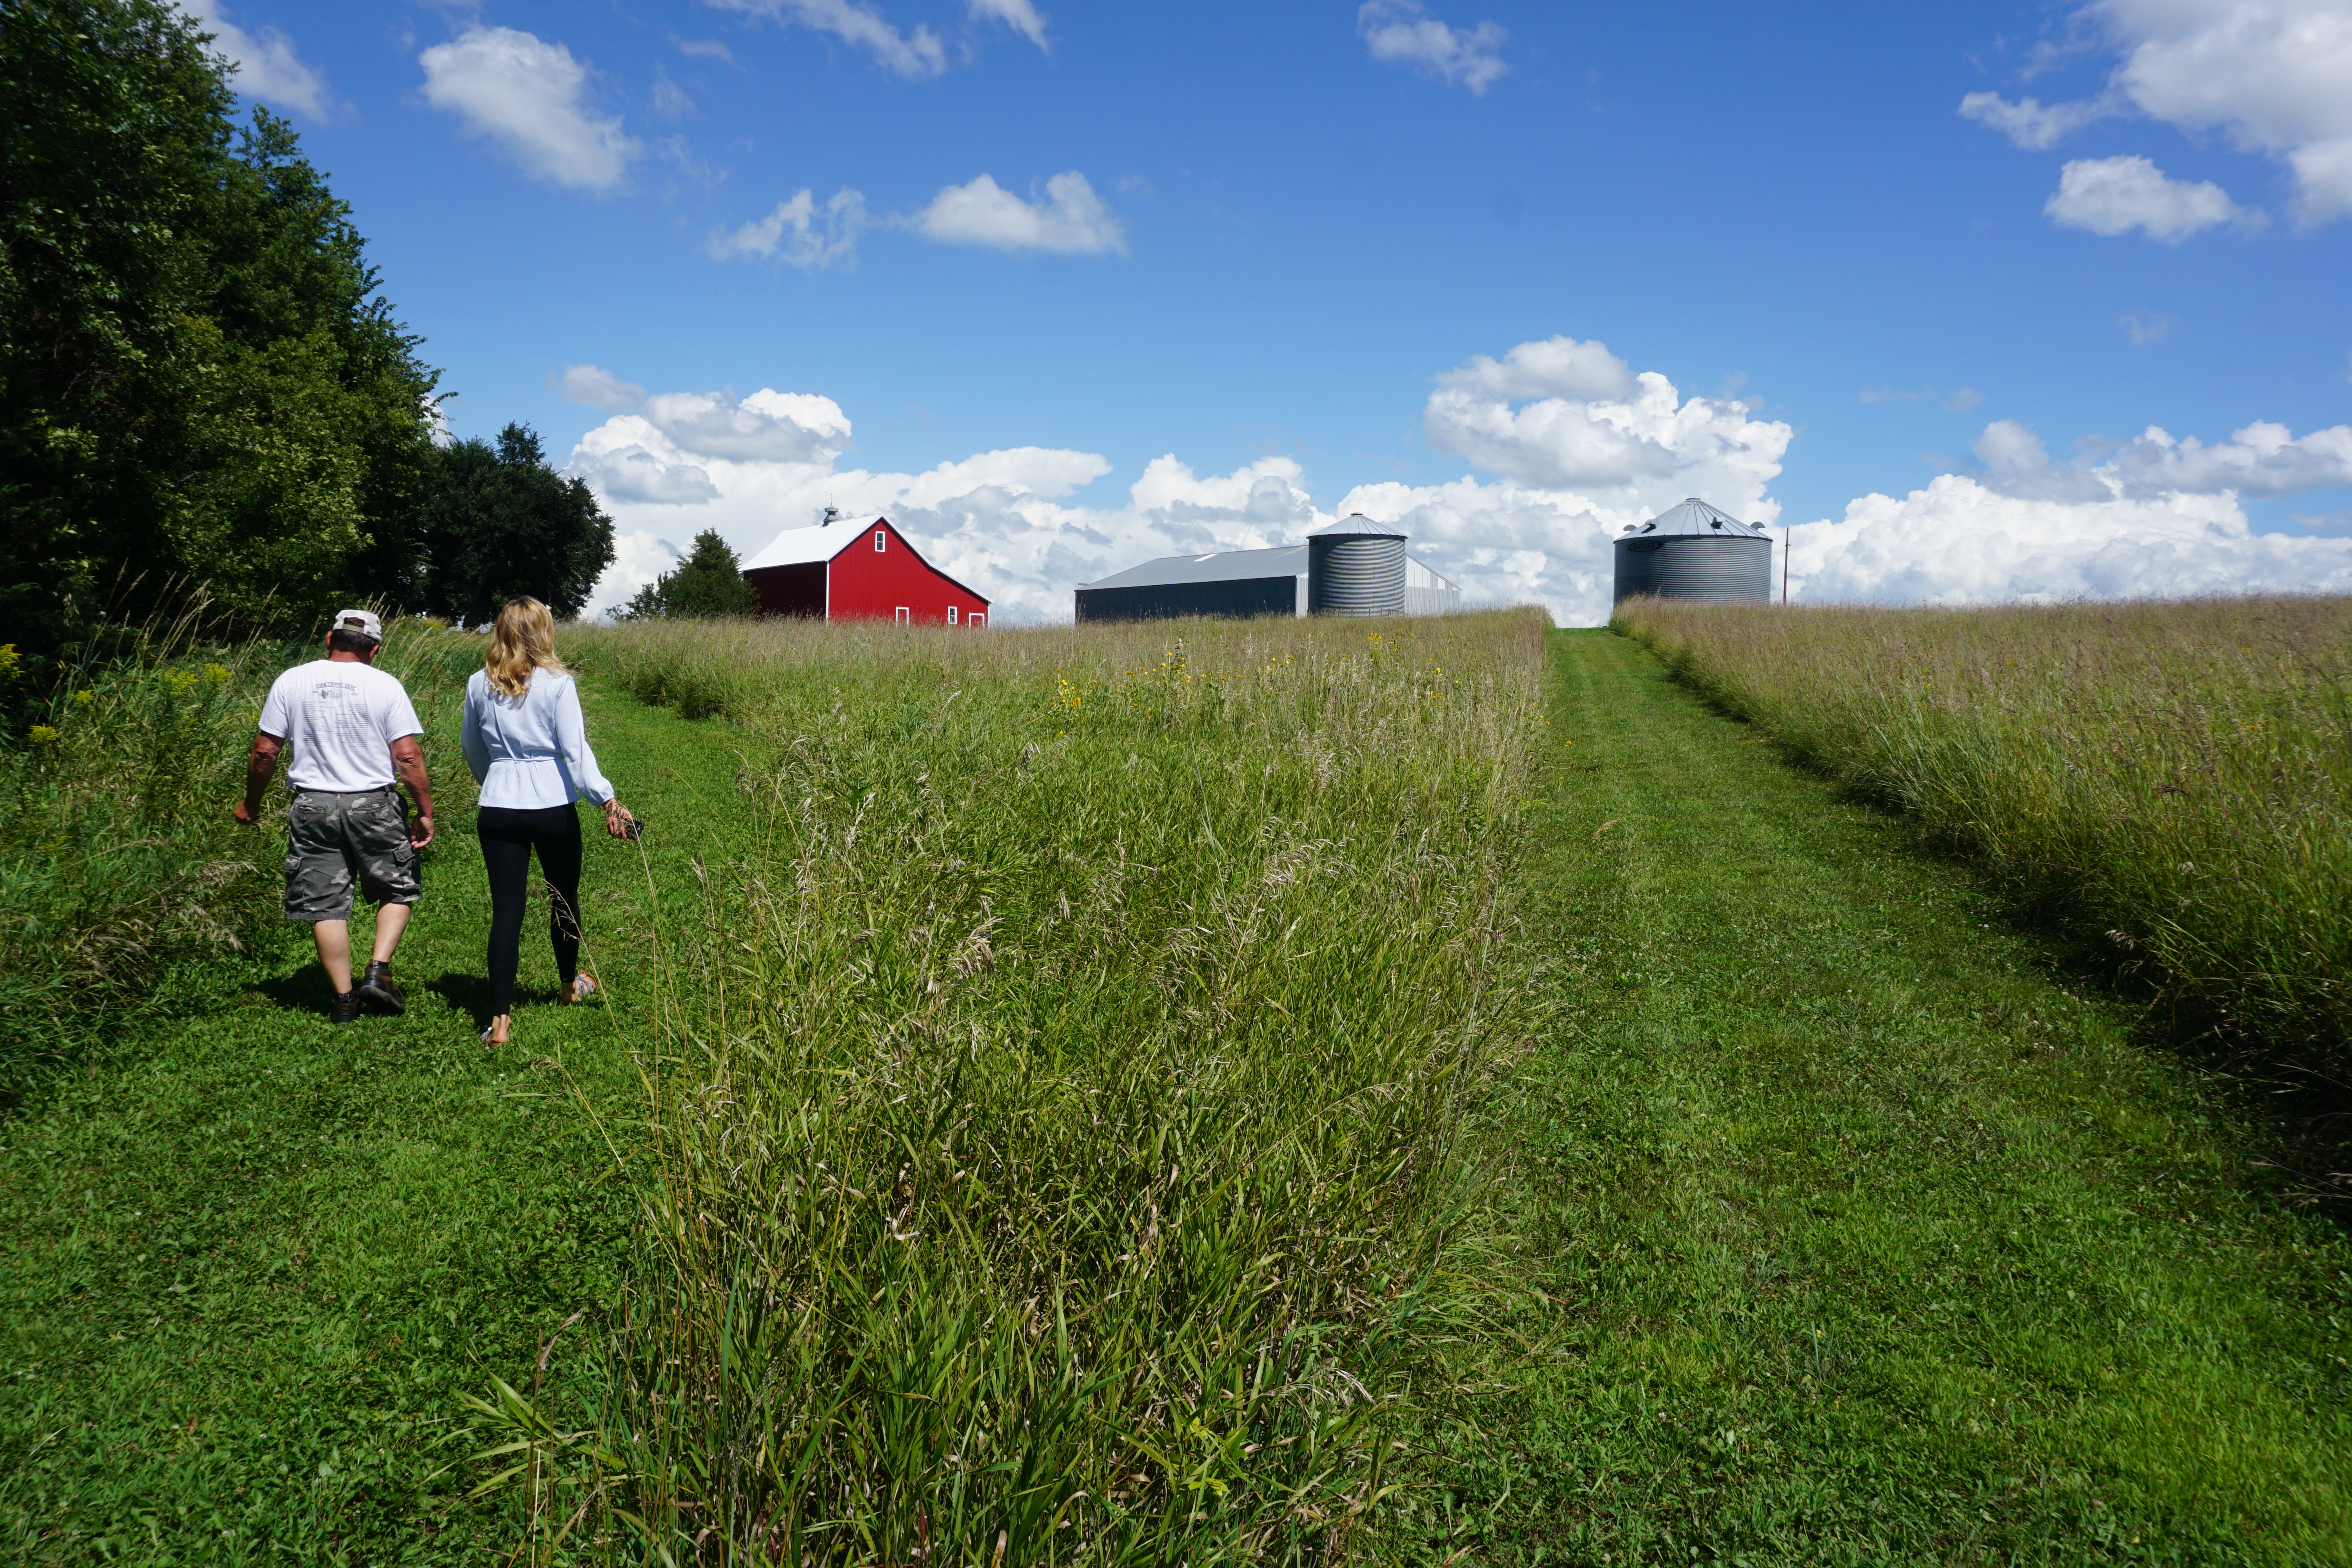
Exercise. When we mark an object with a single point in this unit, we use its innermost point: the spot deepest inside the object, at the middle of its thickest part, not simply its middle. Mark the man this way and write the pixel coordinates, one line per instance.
(353, 731)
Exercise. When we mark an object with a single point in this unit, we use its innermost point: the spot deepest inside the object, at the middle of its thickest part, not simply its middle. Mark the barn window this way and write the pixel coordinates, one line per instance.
(977, 618)
(878, 537)
(903, 617)
(951, 610)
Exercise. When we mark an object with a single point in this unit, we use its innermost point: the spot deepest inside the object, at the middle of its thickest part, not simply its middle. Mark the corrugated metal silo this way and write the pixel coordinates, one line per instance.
(1355, 567)
(1693, 551)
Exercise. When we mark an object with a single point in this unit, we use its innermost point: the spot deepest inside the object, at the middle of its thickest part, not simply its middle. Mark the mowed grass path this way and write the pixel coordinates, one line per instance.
(1868, 1234)
(247, 1261)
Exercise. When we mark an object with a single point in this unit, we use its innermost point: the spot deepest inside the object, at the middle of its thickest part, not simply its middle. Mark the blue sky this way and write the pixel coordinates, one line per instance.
(1866, 245)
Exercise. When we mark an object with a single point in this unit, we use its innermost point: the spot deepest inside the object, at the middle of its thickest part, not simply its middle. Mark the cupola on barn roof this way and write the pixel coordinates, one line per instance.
(1694, 516)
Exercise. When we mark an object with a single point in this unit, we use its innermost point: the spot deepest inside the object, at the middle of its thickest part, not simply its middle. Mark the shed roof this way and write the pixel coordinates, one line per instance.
(1220, 567)
(1694, 516)
(1355, 523)
(800, 546)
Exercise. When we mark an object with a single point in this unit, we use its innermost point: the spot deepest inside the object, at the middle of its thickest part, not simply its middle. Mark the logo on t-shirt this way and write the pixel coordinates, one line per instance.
(335, 712)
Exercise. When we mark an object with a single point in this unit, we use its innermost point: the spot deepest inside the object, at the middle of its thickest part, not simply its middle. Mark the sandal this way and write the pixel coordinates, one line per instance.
(491, 1028)
(583, 985)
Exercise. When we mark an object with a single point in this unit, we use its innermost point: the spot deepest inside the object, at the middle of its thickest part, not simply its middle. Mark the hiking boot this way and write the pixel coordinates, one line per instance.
(345, 1009)
(379, 988)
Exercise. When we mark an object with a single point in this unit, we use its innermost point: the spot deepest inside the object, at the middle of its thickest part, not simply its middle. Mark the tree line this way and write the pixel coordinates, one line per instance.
(201, 381)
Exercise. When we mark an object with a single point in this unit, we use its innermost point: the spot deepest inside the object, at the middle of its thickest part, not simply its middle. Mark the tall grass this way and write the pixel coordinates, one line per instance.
(118, 857)
(2178, 775)
(1060, 1091)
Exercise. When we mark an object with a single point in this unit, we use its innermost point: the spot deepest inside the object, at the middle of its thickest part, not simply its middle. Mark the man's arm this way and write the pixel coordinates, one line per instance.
(260, 767)
(408, 762)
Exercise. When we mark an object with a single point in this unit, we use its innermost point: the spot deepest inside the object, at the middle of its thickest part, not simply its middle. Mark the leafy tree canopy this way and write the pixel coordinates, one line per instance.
(498, 523)
(708, 582)
(198, 379)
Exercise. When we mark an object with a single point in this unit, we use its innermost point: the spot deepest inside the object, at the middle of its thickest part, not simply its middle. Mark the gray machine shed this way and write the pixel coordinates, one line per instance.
(1695, 552)
(1222, 583)
(1354, 567)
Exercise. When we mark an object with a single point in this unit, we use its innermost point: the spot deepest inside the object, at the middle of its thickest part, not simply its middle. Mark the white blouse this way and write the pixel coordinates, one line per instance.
(531, 751)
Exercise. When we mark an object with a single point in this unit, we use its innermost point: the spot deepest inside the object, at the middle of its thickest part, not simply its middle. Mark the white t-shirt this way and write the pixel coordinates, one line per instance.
(340, 718)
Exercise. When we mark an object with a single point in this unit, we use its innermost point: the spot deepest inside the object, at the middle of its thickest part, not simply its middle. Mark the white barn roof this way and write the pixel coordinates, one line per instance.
(800, 546)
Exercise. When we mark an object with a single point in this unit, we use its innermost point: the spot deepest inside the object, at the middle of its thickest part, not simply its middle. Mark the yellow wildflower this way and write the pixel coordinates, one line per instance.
(43, 735)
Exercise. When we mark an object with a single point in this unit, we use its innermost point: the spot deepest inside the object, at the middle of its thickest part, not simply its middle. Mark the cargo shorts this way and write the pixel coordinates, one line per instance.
(332, 840)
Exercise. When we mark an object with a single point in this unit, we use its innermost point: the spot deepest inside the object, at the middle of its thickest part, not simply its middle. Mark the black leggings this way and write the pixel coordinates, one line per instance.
(509, 836)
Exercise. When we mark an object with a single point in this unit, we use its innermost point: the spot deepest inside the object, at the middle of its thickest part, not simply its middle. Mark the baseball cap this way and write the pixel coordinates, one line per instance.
(361, 621)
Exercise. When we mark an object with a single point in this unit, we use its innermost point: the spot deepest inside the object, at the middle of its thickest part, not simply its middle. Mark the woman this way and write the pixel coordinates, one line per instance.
(528, 747)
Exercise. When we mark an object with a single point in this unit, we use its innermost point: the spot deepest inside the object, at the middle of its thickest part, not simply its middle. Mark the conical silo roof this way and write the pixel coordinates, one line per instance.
(1694, 516)
(1357, 525)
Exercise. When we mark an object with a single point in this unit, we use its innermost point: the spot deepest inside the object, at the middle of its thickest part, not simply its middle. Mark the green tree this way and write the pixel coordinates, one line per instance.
(498, 523)
(199, 380)
(708, 582)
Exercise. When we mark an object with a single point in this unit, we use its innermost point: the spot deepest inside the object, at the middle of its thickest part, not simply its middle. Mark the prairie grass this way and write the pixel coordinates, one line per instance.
(2178, 774)
(1060, 1091)
(118, 857)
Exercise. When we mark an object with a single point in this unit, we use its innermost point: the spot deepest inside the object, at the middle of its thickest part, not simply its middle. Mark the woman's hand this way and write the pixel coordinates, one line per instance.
(617, 820)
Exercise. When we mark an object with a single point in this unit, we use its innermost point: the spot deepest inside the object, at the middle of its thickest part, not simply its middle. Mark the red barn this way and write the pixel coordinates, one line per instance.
(843, 570)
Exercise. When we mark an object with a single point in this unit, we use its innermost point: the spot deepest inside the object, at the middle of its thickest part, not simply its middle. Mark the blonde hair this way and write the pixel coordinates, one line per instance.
(522, 640)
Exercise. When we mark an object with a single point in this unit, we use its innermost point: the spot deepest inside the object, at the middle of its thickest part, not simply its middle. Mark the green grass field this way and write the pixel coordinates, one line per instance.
(248, 1262)
(1811, 1206)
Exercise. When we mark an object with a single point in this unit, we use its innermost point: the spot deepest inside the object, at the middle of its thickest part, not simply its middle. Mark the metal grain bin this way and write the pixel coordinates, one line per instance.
(1355, 567)
(1693, 551)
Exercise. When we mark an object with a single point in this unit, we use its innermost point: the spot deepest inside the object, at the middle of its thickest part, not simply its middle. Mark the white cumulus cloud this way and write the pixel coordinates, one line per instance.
(1554, 367)
(1020, 16)
(597, 388)
(530, 98)
(915, 53)
(767, 427)
(1400, 32)
(2275, 76)
(1960, 542)
(629, 459)
(800, 232)
(2029, 123)
(2263, 459)
(266, 65)
(1643, 434)
(1070, 218)
(2155, 516)
(2116, 195)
